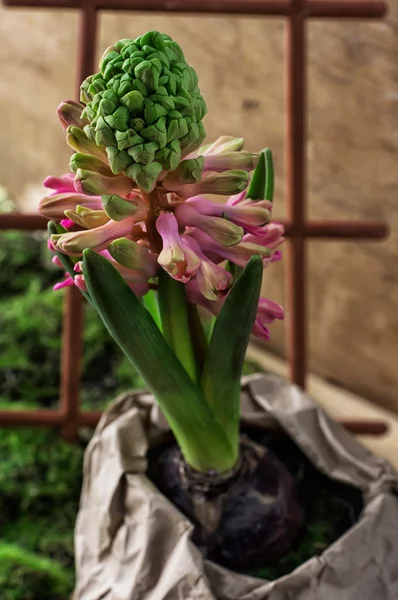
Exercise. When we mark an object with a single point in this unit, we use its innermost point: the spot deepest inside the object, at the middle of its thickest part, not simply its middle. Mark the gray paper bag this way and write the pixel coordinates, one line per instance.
(133, 544)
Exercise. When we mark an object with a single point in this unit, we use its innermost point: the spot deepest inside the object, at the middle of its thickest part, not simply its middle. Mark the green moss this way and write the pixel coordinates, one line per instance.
(50, 536)
(26, 576)
(40, 483)
(30, 335)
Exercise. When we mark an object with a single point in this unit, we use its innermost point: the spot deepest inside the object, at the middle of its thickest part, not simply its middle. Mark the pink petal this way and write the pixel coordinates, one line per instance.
(80, 283)
(55, 260)
(213, 281)
(62, 184)
(67, 223)
(261, 331)
(177, 258)
(65, 283)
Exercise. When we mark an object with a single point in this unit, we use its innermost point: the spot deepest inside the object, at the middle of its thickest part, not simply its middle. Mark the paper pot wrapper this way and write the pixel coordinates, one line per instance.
(133, 544)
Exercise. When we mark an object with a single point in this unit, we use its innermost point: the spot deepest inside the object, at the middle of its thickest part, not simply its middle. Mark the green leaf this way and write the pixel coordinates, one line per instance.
(199, 435)
(174, 317)
(234, 269)
(151, 303)
(262, 182)
(67, 262)
(198, 336)
(227, 348)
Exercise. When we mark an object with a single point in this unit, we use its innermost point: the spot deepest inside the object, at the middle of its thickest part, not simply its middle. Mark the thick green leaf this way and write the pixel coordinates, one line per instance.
(150, 300)
(174, 317)
(208, 321)
(199, 434)
(198, 336)
(234, 269)
(262, 182)
(227, 348)
(67, 262)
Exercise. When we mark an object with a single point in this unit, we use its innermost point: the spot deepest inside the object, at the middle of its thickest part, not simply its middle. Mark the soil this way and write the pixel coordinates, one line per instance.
(330, 508)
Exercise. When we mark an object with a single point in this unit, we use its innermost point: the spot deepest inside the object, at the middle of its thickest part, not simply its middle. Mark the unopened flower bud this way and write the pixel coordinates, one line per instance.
(118, 208)
(250, 215)
(223, 145)
(229, 182)
(70, 113)
(87, 162)
(87, 218)
(54, 206)
(95, 184)
(144, 95)
(223, 231)
(188, 171)
(145, 176)
(119, 160)
(230, 160)
(238, 254)
(66, 183)
(133, 256)
(75, 242)
(78, 141)
(195, 136)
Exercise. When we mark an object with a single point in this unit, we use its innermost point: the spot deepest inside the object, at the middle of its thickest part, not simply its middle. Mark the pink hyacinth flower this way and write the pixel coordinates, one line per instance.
(247, 215)
(267, 312)
(55, 260)
(80, 283)
(61, 185)
(176, 257)
(223, 231)
(239, 254)
(236, 198)
(213, 281)
(271, 235)
(67, 223)
(64, 283)
(195, 296)
(73, 243)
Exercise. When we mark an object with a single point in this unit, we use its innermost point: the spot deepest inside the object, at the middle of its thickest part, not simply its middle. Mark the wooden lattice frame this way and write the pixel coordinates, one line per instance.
(298, 229)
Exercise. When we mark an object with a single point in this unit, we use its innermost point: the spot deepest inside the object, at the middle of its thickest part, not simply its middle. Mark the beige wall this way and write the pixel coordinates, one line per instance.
(353, 152)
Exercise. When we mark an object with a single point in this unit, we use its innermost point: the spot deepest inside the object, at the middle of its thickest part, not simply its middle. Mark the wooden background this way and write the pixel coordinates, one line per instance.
(352, 148)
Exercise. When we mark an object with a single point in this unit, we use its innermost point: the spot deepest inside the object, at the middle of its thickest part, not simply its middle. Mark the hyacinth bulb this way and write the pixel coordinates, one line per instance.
(144, 107)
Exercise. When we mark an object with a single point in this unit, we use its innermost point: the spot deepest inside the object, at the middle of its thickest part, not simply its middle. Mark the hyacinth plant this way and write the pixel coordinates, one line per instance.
(133, 231)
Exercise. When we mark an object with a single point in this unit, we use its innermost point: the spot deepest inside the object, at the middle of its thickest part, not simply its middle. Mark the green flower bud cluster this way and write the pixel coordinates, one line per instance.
(145, 107)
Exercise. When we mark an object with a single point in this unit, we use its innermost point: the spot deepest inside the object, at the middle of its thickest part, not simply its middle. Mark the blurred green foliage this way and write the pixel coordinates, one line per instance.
(30, 332)
(26, 576)
(40, 482)
(40, 475)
